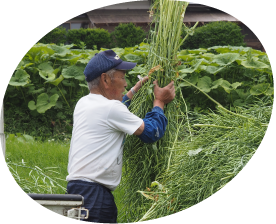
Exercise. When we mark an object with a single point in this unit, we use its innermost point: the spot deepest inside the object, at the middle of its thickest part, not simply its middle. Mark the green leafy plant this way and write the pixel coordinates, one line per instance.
(214, 34)
(127, 35)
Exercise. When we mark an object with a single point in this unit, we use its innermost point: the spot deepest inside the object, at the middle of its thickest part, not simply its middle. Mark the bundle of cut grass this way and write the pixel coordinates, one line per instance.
(144, 163)
(222, 145)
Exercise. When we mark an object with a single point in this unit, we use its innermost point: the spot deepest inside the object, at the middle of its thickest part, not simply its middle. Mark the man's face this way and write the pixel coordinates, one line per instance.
(118, 85)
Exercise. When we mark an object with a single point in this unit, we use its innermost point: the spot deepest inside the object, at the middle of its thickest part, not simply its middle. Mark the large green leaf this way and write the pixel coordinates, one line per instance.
(133, 57)
(56, 81)
(270, 91)
(198, 51)
(83, 85)
(243, 94)
(74, 71)
(32, 90)
(45, 66)
(193, 79)
(236, 85)
(213, 69)
(144, 46)
(46, 71)
(47, 76)
(23, 64)
(192, 68)
(60, 51)
(254, 64)
(204, 84)
(68, 83)
(20, 78)
(225, 85)
(44, 102)
(39, 53)
(225, 59)
(186, 58)
(259, 89)
(119, 51)
(139, 69)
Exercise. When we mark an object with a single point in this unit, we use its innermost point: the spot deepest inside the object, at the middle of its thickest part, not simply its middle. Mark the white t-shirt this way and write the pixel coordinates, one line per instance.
(99, 130)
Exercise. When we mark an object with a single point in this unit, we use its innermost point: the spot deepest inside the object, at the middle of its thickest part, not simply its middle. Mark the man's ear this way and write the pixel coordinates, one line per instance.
(105, 80)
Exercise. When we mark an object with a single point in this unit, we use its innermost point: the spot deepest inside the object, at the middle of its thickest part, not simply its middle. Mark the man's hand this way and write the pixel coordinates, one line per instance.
(163, 95)
(138, 85)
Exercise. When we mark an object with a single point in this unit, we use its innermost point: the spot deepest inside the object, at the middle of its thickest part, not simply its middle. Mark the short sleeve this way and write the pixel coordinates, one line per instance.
(121, 119)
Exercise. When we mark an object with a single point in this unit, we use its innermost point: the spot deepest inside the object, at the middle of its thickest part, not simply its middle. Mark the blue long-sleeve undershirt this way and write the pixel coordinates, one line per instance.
(155, 123)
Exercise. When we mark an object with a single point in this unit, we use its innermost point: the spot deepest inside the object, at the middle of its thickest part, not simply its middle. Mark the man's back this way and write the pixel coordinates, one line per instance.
(97, 140)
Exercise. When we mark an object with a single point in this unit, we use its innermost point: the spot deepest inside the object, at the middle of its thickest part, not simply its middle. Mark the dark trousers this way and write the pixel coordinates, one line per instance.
(97, 199)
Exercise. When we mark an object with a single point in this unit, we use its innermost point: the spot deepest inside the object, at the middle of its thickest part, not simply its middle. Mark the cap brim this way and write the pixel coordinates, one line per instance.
(125, 65)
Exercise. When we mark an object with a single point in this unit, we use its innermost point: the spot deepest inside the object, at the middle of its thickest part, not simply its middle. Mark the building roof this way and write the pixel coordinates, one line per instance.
(142, 16)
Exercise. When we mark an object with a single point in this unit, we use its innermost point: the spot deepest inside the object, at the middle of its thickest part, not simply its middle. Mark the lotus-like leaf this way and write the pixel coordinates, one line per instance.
(32, 105)
(139, 69)
(38, 53)
(60, 51)
(187, 58)
(204, 84)
(254, 64)
(226, 59)
(23, 64)
(270, 91)
(133, 58)
(119, 51)
(83, 85)
(32, 90)
(193, 68)
(213, 69)
(44, 102)
(259, 89)
(225, 85)
(56, 81)
(242, 93)
(20, 78)
(68, 83)
(74, 71)
(46, 71)
(198, 51)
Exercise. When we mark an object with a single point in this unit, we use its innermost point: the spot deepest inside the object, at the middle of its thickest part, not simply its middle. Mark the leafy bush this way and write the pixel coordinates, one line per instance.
(99, 37)
(214, 34)
(90, 37)
(55, 36)
(127, 35)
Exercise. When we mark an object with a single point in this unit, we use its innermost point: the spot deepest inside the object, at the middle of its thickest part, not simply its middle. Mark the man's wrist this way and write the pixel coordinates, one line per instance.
(136, 88)
(158, 103)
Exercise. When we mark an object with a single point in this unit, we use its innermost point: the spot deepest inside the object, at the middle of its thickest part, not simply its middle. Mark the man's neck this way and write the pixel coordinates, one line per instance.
(99, 91)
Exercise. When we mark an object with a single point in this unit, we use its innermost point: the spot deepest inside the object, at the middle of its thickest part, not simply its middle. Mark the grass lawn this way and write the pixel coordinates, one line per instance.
(42, 160)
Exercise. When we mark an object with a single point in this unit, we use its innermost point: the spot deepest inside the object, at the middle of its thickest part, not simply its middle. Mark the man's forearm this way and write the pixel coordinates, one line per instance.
(158, 103)
(130, 94)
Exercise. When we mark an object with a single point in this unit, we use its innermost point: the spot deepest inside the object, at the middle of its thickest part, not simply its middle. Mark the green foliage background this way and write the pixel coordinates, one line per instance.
(99, 37)
(219, 33)
(49, 81)
(127, 35)
(56, 36)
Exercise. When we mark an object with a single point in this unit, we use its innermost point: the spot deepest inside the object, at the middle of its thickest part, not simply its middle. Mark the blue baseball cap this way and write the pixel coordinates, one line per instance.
(103, 62)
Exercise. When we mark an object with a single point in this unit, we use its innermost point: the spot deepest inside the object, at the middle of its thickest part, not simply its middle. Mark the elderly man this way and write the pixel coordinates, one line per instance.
(101, 122)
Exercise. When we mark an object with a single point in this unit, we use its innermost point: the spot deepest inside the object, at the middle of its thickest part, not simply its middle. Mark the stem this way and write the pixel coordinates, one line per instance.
(189, 127)
(211, 125)
(22, 94)
(219, 105)
(63, 96)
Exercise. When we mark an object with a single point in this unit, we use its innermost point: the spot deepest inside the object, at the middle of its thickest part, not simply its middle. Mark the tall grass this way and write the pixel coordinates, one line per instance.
(222, 145)
(144, 163)
(41, 166)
